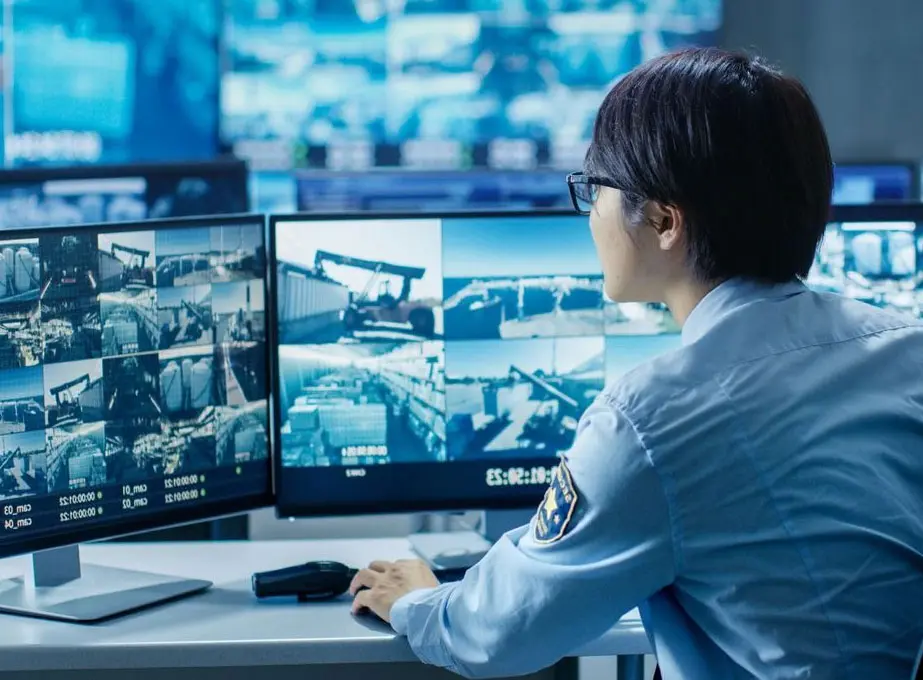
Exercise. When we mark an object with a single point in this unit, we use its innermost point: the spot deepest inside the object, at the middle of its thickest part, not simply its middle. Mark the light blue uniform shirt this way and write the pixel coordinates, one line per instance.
(757, 492)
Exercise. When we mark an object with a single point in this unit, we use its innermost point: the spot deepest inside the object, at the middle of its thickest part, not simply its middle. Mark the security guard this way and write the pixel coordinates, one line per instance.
(757, 492)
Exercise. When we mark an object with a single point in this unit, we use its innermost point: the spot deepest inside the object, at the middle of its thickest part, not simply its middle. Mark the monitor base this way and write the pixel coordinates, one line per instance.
(59, 589)
(454, 550)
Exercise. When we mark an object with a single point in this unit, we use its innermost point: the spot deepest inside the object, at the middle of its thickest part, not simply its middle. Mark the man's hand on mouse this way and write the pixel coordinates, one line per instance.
(379, 586)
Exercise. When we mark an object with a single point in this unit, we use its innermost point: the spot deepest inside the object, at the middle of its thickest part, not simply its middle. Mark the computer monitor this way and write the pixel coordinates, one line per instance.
(349, 85)
(874, 253)
(863, 183)
(133, 396)
(120, 81)
(41, 197)
(439, 362)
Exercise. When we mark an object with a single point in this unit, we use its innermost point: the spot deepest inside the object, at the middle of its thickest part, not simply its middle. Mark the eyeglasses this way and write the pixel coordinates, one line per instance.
(584, 190)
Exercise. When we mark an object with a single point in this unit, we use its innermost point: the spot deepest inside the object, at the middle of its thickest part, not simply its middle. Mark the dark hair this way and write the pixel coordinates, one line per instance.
(735, 145)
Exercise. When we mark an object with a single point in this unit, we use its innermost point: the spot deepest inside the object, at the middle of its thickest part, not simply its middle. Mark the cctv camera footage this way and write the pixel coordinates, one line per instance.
(128, 356)
(435, 340)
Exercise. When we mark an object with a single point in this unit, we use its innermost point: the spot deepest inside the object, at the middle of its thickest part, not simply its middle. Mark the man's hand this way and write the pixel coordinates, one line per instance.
(382, 584)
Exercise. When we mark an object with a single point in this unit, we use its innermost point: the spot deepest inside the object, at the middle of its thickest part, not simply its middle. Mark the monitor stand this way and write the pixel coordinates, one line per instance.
(58, 588)
(457, 550)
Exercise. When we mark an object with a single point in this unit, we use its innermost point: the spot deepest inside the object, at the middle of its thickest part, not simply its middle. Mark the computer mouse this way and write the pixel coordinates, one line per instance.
(312, 581)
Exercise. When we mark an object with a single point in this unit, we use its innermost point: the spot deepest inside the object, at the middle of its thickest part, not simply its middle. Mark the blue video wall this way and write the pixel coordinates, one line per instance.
(426, 84)
(110, 81)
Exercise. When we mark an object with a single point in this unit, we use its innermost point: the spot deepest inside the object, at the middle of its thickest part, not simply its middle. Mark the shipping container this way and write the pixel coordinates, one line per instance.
(304, 298)
(91, 402)
(111, 270)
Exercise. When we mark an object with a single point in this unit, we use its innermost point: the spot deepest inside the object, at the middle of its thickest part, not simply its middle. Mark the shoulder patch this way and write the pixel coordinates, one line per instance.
(557, 508)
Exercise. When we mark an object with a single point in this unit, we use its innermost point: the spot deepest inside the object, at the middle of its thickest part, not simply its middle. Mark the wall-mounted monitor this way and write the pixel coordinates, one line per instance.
(435, 84)
(40, 197)
(110, 81)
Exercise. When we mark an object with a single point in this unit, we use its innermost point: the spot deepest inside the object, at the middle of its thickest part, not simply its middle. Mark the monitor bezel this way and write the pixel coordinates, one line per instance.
(230, 167)
(286, 509)
(189, 514)
(885, 211)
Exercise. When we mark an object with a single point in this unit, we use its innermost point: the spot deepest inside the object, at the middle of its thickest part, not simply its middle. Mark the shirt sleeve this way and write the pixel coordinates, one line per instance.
(544, 590)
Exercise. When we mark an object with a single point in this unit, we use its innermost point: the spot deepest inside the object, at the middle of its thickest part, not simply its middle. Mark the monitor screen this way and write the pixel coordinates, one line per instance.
(44, 197)
(436, 362)
(874, 254)
(863, 183)
(110, 81)
(435, 84)
(133, 378)
(385, 190)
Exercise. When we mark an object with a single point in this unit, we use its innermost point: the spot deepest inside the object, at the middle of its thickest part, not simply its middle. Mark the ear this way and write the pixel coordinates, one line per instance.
(668, 223)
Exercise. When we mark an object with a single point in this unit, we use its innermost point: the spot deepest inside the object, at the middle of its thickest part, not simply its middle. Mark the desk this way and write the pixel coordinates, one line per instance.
(227, 628)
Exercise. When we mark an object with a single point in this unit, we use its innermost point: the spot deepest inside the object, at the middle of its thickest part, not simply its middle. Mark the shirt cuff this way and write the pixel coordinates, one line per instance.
(400, 611)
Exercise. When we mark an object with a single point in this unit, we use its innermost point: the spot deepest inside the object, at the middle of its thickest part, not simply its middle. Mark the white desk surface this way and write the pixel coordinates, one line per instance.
(227, 626)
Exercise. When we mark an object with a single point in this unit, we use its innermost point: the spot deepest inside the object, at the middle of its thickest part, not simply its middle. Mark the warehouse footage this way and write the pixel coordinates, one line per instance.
(362, 404)
(113, 363)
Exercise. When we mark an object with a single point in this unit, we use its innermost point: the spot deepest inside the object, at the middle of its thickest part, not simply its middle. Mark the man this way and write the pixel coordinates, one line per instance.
(758, 492)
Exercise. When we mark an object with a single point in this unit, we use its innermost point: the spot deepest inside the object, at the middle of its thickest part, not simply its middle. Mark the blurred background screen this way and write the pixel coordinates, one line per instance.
(110, 81)
(435, 84)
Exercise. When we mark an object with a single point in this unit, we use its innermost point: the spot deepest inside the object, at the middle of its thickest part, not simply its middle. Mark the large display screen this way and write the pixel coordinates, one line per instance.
(89, 195)
(133, 377)
(428, 362)
(435, 84)
(110, 81)
(876, 257)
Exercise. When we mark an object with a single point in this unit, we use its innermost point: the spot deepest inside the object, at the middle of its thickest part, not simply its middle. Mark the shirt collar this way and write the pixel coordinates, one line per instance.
(729, 296)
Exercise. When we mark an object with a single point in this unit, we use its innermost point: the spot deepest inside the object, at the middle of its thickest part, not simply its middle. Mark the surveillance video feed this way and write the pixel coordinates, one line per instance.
(241, 434)
(126, 260)
(184, 316)
(74, 392)
(523, 353)
(75, 457)
(520, 278)
(72, 329)
(182, 257)
(21, 340)
(360, 281)
(435, 83)
(875, 262)
(116, 381)
(519, 398)
(22, 465)
(239, 311)
(362, 404)
(22, 406)
(237, 253)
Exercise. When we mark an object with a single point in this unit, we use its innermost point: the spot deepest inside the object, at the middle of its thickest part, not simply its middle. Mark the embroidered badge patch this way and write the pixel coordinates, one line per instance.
(557, 508)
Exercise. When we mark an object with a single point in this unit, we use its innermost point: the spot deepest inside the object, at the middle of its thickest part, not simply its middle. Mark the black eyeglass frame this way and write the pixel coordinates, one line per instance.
(579, 178)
